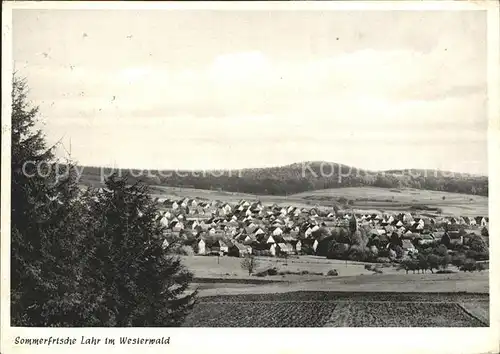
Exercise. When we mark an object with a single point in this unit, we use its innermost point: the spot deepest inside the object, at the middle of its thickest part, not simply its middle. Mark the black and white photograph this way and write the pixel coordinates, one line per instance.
(246, 167)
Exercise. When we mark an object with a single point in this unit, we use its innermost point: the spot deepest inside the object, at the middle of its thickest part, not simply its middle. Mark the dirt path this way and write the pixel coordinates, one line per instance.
(459, 282)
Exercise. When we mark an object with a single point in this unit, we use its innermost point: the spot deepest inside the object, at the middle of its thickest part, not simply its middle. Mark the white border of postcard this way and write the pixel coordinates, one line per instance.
(297, 340)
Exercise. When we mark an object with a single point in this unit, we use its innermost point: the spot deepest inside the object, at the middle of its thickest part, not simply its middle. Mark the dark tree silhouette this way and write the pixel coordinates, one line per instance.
(84, 258)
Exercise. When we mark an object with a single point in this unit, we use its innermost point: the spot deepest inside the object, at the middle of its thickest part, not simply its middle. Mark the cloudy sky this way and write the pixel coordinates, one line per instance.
(222, 89)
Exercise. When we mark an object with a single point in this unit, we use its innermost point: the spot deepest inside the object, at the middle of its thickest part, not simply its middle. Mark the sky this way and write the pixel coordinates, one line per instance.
(235, 89)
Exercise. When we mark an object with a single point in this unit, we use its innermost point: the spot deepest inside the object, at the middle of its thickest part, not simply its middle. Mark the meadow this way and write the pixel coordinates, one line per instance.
(230, 267)
(390, 199)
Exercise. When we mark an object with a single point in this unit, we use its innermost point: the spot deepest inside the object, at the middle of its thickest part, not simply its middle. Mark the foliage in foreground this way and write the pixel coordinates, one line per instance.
(92, 258)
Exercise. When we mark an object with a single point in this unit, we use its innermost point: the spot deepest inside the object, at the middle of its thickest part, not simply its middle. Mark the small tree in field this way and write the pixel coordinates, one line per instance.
(249, 263)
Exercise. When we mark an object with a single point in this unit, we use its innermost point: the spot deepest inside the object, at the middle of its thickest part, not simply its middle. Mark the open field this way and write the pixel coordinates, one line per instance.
(351, 275)
(337, 309)
(370, 198)
(225, 276)
(230, 267)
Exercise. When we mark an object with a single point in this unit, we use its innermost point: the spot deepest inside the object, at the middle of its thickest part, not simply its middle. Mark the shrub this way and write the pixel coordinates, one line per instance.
(458, 260)
(342, 200)
(480, 267)
(272, 271)
(445, 271)
(338, 251)
(332, 273)
(383, 260)
(444, 260)
(433, 261)
(409, 264)
(384, 252)
(469, 265)
(267, 272)
(423, 261)
(441, 250)
(477, 244)
(304, 272)
(356, 253)
(399, 251)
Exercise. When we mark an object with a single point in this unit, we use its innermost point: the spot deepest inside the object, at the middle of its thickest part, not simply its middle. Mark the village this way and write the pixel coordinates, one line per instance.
(219, 228)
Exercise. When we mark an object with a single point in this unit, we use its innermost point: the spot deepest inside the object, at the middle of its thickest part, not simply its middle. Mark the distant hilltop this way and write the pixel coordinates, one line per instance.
(299, 177)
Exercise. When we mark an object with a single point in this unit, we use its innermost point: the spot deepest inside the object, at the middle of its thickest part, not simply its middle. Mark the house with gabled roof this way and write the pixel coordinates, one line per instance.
(239, 250)
(284, 248)
(266, 239)
(165, 221)
(277, 231)
(258, 231)
(250, 239)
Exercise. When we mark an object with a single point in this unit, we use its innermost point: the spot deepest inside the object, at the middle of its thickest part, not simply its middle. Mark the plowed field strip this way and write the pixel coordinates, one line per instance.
(325, 301)
(276, 314)
(384, 314)
(335, 314)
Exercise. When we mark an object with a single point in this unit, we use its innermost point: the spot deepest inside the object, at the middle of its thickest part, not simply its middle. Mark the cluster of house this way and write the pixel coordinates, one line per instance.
(250, 227)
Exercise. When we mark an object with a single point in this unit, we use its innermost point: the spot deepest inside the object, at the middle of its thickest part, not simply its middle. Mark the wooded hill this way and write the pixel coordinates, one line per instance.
(300, 177)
